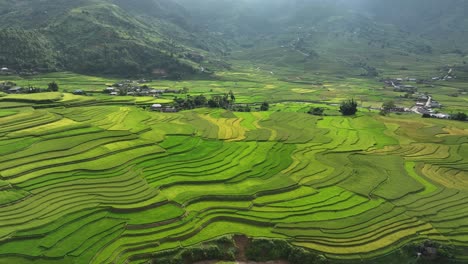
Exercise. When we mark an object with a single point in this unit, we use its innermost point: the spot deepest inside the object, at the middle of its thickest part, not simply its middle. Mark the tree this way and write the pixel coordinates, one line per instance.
(53, 87)
(387, 107)
(348, 107)
(265, 106)
(231, 94)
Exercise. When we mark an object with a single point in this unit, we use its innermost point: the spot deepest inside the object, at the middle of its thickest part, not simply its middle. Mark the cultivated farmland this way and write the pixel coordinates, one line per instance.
(117, 184)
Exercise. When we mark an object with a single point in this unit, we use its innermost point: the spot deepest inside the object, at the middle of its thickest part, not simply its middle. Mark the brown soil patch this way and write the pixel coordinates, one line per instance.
(242, 242)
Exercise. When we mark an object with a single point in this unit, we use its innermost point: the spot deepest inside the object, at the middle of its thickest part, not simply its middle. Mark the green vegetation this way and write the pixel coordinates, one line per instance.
(53, 87)
(348, 107)
(268, 157)
(460, 116)
(98, 179)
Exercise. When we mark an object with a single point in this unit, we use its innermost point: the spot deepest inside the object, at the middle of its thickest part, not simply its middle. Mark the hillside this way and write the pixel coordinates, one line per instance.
(104, 37)
(344, 37)
(177, 38)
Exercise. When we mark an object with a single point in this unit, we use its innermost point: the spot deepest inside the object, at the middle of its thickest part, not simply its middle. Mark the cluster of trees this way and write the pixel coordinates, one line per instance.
(224, 101)
(431, 250)
(460, 116)
(272, 249)
(348, 107)
(387, 107)
(191, 102)
(317, 111)
(220, 249)
(51, 87)
(265, 106)
(225, 249)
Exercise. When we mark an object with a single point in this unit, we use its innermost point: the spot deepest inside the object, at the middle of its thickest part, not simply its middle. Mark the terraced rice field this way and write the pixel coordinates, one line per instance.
(117, 184)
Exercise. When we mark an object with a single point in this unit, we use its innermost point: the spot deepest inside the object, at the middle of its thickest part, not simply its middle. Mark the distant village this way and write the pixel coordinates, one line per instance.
(425, 104)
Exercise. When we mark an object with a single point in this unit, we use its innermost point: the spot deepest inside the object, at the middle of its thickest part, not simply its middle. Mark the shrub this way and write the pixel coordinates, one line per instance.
(317, 111)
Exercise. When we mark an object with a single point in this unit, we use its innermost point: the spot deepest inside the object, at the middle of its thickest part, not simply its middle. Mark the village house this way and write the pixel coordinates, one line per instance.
(110, 89)
(78, 92)
(156, 107)
(154, 91)
(435, 104)
(172, 91)
(440, 116)
(15, 90)
(423, 97)
(421, 103)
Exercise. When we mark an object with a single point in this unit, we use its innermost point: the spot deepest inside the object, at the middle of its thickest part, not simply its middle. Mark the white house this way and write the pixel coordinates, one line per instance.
(156, 107)
(441, 116)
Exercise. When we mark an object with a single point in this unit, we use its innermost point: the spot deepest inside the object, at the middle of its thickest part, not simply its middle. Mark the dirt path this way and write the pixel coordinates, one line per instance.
(242, 242)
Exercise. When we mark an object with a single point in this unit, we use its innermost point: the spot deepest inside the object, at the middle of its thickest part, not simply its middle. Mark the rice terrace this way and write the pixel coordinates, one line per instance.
(259, 160)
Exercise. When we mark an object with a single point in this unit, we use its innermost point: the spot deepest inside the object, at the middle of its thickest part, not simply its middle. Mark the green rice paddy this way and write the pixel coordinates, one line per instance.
(98, 180)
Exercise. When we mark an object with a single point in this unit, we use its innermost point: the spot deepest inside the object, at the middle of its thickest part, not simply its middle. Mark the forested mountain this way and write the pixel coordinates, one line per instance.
(180, 37)
(100, 36)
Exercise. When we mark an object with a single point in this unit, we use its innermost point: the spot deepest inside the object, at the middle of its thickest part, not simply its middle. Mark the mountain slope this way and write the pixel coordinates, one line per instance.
(180, 37)
(108, 37)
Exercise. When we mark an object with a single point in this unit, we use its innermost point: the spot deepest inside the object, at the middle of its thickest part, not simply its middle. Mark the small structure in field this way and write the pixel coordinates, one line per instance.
(156, 107)
(440, 116)
(435, 104)
(15, 90)
(78, 92)
(172, 91)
